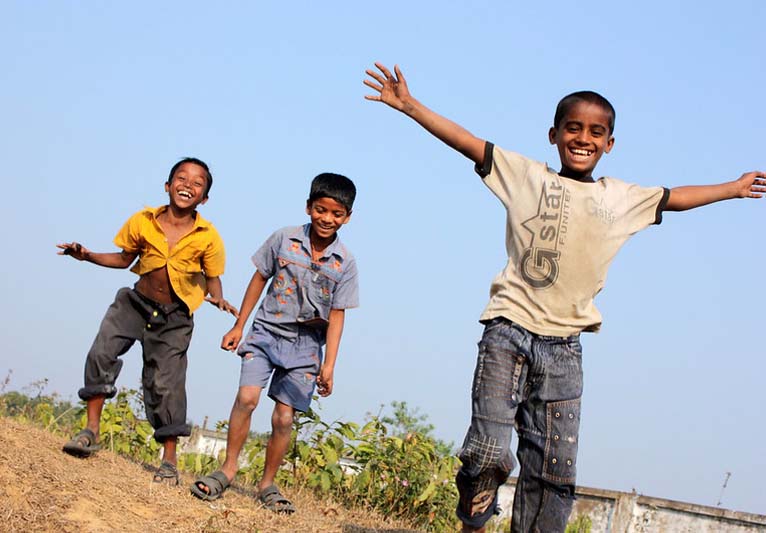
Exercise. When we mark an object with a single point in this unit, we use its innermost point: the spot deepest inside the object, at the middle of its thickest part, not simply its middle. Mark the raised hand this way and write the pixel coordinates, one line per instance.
(751, 185)
(75, 249)
(392, 89)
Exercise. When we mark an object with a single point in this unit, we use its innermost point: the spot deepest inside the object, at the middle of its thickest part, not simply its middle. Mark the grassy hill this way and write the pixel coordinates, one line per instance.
(45, 490)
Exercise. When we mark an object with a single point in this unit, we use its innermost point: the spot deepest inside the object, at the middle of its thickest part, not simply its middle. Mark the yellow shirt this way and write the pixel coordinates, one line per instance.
(196, 255)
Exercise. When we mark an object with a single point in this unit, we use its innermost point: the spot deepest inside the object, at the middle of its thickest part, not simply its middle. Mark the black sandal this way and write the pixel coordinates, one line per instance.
(82, 445)
(166, 473)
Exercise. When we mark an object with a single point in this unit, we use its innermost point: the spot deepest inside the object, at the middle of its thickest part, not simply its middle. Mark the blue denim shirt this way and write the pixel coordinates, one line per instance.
(302, 292)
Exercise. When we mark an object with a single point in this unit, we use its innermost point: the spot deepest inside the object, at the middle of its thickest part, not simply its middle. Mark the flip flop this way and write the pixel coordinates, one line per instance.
(82, 445)
(273, 500)
(216, 483)
(166, 473)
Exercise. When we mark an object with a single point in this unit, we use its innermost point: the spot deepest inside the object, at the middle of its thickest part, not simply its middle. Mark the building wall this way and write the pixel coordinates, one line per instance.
(624, 512)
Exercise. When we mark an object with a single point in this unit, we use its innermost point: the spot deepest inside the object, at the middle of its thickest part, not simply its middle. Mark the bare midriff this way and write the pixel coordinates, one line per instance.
(156, 286)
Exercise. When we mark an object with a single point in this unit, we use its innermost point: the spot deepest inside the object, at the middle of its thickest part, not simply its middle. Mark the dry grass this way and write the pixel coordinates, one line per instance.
(43, 489)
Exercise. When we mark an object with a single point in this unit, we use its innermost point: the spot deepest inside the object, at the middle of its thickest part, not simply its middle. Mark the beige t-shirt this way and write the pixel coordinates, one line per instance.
(561, 236)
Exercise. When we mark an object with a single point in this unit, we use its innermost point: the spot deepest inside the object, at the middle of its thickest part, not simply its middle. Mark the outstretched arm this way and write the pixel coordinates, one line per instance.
(749, 185)
(121, 259)
(334, 332)
(252, 294)
(393, 91)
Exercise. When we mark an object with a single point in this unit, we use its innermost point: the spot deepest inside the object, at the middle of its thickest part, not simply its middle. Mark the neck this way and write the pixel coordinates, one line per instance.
(574, 175)
(319, 243)
(180, 215)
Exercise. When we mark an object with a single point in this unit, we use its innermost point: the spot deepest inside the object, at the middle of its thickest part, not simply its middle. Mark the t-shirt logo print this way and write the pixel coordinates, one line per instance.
(539, 265)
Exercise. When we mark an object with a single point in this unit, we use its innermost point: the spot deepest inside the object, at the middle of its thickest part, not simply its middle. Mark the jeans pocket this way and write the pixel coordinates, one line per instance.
(563, 426)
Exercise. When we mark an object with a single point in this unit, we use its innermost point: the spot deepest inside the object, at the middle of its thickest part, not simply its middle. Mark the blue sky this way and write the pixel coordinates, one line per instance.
(100, 99)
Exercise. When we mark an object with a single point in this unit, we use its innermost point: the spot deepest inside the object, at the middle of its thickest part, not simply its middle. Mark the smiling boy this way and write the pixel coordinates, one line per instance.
(180, 260)
(562, 231)
(313, 282)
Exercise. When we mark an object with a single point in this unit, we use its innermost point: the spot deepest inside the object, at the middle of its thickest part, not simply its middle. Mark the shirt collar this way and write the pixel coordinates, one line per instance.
(302, 234)
(154, 212)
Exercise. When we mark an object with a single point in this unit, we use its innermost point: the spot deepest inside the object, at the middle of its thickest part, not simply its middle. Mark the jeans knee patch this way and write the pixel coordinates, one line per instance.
(482, 453)
(563, 425)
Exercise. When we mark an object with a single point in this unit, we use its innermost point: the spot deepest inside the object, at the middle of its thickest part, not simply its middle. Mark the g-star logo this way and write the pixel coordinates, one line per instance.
(539, 265)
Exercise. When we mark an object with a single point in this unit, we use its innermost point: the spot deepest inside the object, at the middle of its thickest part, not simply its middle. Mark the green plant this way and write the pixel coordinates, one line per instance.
(122, 432)
(581, 524)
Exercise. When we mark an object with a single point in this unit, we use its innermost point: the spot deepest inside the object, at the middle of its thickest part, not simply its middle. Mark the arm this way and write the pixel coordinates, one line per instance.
(215, 288)
(334, 332)
(394, 92)
(749, 185)
(121, 259)
(252, 294)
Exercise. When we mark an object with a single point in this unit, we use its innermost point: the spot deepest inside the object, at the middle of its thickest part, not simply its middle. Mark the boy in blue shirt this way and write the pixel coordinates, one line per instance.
(563, 229)
(314, 280)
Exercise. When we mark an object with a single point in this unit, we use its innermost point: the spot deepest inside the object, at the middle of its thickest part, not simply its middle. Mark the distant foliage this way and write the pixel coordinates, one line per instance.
(123, 432)
(581, 524)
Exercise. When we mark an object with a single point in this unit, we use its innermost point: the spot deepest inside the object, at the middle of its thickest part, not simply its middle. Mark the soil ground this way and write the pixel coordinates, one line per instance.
(43, 489)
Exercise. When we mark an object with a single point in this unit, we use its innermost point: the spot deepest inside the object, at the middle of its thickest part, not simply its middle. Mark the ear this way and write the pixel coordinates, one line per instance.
(204, 201)
(308, 207)
(552, 135)
(609, 145)
(167, 186)
(348, 217)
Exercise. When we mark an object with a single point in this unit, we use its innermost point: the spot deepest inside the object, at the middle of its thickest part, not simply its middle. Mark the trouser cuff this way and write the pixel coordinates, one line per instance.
(93, 391)
(168, 432)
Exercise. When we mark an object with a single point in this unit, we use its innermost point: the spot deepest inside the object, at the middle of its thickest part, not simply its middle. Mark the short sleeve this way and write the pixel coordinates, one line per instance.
(129, 236)
(265, 259)
(643, 207)
(214, 257)
(502, 171)
(346, 293)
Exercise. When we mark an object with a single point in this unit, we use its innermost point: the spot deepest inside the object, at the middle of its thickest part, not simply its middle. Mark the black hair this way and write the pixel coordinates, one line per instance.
(569, 101)
(195, 161)
(339, 188)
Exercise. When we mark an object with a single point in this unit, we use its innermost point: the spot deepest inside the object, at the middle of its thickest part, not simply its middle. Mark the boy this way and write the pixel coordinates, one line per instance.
(563, 229)
(314, 280)
(180, 258)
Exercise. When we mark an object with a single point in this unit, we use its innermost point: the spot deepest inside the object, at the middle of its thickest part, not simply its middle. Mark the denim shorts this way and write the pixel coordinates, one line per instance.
(292, 363)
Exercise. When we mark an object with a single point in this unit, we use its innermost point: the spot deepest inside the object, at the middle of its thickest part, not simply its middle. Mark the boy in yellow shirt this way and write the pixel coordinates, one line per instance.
(180, 260)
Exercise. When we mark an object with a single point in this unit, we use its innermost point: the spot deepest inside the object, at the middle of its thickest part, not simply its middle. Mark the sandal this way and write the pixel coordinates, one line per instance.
(166, 473)
(216, 483)
(273, 500)
(82, 445)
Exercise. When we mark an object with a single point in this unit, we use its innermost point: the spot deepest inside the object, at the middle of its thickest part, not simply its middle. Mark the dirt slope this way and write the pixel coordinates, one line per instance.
(43, 489)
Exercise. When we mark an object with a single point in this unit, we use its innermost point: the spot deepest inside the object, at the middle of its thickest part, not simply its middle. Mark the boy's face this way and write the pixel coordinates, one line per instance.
(188, 186)
(327, 216)
(582, 137)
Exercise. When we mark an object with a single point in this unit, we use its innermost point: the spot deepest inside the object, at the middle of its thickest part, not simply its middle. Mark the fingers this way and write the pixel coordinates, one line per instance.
(229, 343)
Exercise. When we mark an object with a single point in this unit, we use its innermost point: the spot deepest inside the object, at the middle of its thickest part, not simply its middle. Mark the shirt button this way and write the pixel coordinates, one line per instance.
(148, 326)
(155, 313)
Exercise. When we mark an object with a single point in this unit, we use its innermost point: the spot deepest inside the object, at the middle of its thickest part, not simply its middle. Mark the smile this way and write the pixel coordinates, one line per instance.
(185, 194)
(581, 152)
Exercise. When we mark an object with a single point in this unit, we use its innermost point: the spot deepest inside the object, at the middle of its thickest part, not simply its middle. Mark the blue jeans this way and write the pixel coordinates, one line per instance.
(533, 383)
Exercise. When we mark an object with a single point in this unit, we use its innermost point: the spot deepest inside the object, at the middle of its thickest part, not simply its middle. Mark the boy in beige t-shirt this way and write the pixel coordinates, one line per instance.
(563, 229)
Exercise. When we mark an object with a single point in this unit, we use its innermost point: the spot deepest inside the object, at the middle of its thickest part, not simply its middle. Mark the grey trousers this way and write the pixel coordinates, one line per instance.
(164, 332)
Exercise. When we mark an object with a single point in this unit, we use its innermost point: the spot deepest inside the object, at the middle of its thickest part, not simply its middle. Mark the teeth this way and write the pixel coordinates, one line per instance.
(578, 151)
(184, 194)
